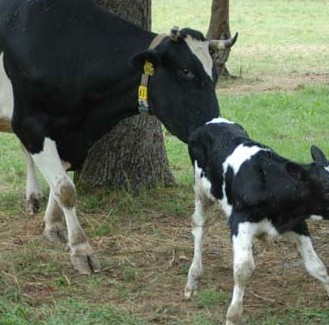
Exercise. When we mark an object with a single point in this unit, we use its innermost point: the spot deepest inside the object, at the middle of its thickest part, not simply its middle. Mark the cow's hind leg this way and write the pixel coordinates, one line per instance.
(83, 256)
(312, 262)
(243, 267)
(33, 193)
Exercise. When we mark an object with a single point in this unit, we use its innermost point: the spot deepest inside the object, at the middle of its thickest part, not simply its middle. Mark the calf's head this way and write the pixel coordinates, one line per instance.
(182, 88)
(322, 166)
(314, 181)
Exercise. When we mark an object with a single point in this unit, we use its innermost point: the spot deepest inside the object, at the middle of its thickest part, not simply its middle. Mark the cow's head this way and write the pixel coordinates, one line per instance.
(182, 88)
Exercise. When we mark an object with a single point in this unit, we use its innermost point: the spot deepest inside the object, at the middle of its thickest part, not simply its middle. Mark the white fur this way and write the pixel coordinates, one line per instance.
(235, 160)
(316, 217)
(63, 196)
(218, 120)
(239, 156)
(6, 94)
(201, 51)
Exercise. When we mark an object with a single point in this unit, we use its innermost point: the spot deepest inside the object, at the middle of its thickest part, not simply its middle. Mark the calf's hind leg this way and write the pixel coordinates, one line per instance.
(312, 262)
(62, 188)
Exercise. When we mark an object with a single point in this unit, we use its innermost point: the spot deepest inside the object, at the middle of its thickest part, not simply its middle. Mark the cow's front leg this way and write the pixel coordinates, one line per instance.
(83, 257)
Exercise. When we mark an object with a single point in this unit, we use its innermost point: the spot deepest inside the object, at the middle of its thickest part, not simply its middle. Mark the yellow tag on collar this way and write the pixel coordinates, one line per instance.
(148, 68)
(142, 93)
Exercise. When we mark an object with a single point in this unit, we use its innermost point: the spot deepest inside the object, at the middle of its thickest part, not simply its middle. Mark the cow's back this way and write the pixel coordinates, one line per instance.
(51, 42)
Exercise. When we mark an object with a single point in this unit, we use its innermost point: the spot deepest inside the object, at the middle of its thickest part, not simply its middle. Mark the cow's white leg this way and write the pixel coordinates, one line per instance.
(312, 262)
(243, 267)
(33, 193)
(54, 227)
(199, 218)
(83, 256)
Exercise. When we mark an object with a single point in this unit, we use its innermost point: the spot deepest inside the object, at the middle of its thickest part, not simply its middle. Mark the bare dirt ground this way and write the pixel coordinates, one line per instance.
(274, 83)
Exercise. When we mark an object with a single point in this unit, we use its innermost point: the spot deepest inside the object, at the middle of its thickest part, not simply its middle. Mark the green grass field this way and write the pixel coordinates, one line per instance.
(281, 97)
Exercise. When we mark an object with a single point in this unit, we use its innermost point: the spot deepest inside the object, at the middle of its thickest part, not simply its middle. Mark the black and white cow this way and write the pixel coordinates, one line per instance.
(69, 63)
(261, 193)
(33, 193)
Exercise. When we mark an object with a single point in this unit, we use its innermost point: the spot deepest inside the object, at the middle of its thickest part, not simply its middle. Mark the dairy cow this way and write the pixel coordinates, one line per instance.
(76, 70)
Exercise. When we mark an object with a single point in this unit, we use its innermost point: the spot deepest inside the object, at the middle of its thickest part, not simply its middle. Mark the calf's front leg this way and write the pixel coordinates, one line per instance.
(199, 218)
(243, 267)
(83, 257)
(196, 268)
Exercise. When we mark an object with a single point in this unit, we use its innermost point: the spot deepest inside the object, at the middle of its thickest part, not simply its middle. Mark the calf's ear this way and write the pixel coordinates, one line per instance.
(296, 171)
(318, 156)
(139, 60)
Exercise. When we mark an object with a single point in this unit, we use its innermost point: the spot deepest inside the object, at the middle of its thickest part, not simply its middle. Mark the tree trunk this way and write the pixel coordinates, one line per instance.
(132, 155)
(219, 28)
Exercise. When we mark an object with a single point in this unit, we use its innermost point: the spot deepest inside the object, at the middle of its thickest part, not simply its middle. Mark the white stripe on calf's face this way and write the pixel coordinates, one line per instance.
(201, 51)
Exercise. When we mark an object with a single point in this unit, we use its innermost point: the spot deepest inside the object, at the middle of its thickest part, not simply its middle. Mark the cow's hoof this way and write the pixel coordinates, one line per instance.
(86, 264)
(56, 234)
(33, 203)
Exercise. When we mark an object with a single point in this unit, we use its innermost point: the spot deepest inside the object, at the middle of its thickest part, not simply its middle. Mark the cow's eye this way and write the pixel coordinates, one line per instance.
(187, 74)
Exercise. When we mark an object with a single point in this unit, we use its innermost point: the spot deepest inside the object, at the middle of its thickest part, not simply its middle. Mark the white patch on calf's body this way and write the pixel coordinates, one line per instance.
(202, 186)
(235, 160)
(240, 154)
(201, 51)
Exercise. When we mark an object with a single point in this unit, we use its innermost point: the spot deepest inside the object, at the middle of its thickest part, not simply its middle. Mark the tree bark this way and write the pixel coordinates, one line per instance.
(132, 155)
(219, 28)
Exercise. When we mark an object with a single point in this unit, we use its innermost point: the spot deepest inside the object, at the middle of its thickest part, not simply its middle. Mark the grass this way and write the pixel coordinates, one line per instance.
(144, 242)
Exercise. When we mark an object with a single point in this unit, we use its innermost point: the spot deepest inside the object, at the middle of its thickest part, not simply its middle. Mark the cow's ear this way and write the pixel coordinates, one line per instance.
(139, 60)
(296, 171)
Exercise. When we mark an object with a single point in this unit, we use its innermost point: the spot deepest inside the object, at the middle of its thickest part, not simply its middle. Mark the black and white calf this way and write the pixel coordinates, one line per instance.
(33, 193)
(261, 193)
